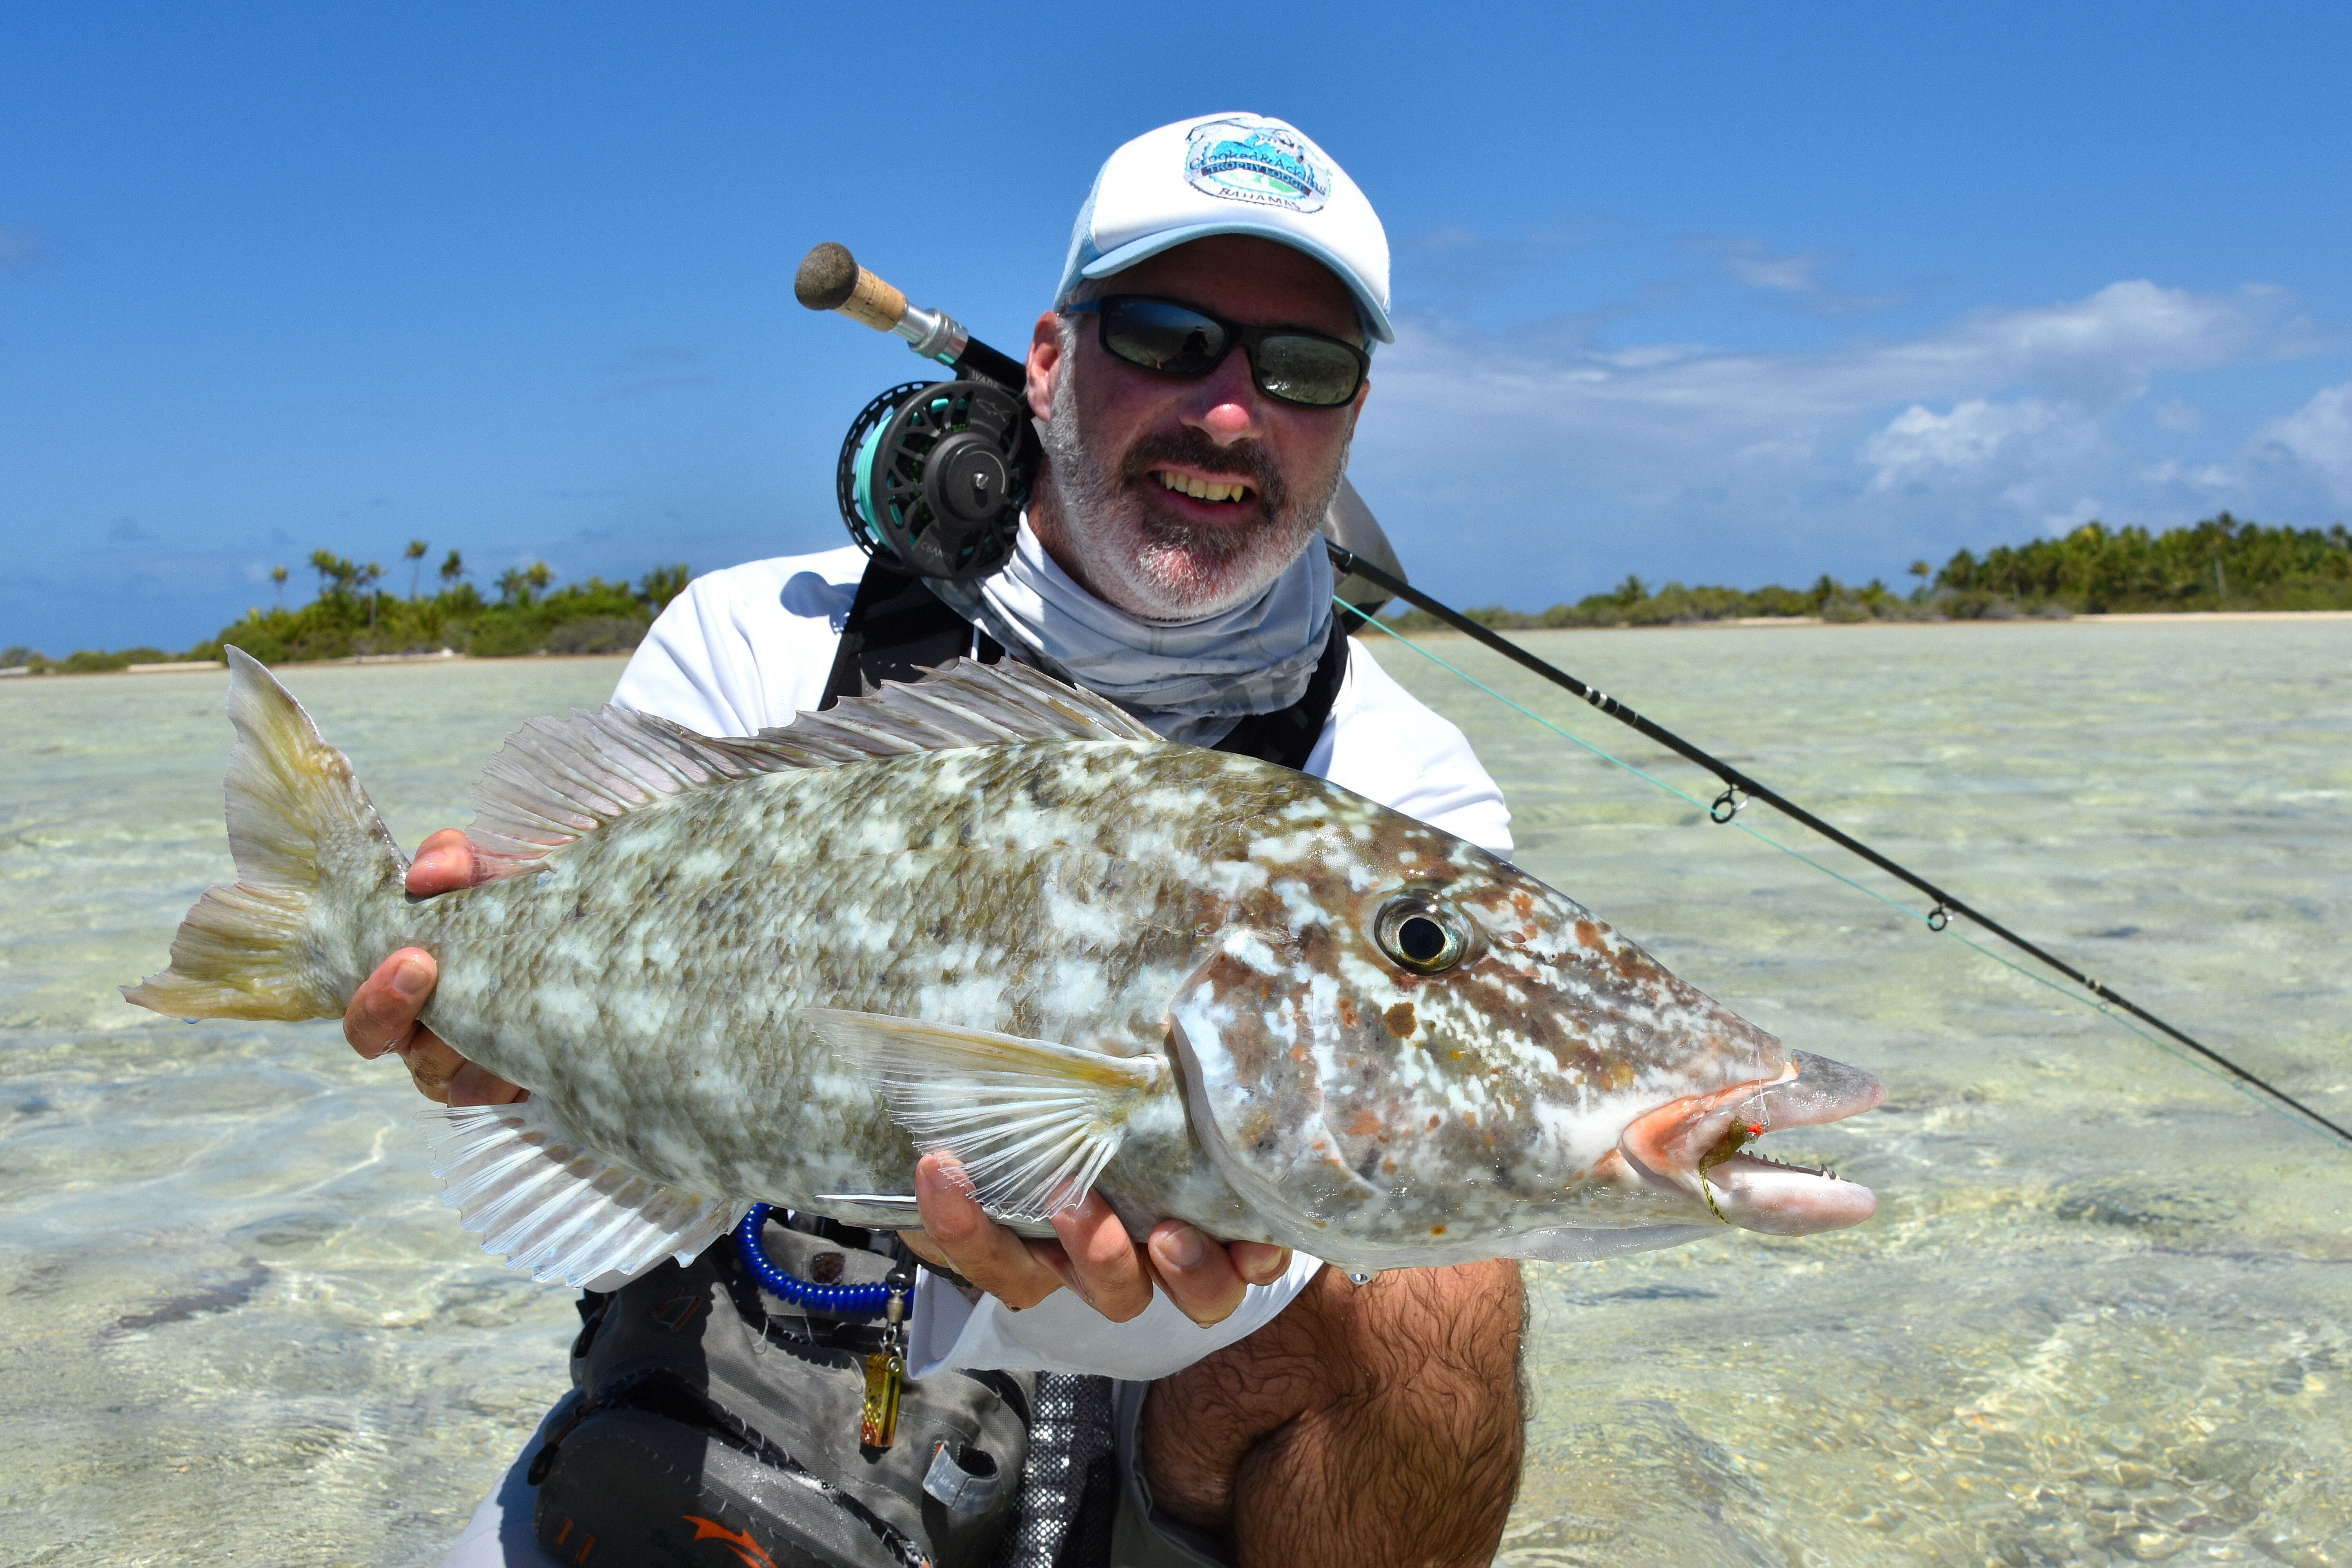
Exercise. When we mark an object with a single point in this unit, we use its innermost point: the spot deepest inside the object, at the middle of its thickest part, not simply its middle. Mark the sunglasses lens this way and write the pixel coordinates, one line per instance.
(1313, 371)
(1158, 335)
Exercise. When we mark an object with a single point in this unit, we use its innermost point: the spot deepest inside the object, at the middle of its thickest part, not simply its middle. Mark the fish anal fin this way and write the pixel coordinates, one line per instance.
(553, 1206)
(1031, 1123)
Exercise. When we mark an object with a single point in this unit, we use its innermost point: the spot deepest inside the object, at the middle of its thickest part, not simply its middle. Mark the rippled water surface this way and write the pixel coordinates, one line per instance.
(2104, 1314)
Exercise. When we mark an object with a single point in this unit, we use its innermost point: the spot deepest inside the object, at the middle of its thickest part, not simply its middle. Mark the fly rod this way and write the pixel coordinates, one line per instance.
(1735, 785)
(953, 436)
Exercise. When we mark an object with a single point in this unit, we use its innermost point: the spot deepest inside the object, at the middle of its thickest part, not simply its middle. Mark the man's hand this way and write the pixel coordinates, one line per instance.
(383, 1014)
(1094, 1255)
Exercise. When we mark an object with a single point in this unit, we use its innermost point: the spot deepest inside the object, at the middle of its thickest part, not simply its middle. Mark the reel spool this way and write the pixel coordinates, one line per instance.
(933, 475)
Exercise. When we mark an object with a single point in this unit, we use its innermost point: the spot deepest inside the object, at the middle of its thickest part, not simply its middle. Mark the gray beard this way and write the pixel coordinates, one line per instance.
(1152, 566)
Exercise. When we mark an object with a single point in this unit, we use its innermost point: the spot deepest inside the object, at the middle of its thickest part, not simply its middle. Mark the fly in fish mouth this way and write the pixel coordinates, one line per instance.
(1696, 1146)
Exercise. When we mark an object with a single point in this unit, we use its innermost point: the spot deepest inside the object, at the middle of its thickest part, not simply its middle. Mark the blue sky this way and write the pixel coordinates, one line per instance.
(1718, 293)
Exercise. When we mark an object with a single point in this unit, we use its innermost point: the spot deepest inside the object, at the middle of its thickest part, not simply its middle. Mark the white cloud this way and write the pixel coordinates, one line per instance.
(2058, 525)
(2315, 438)
(1796, 276)
(2210, 477)
(1918, 444)
(1998, 422)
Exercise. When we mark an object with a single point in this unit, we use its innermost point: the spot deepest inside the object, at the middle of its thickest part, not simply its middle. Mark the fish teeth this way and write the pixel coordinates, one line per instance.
(1785, 1165)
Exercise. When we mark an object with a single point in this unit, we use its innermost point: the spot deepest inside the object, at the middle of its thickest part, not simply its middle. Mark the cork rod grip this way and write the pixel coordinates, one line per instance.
(830, 279)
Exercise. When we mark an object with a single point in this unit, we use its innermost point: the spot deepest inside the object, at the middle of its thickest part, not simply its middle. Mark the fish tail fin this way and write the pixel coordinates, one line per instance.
(307, 842)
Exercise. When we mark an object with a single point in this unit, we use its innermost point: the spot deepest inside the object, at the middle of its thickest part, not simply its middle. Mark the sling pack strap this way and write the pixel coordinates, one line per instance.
(898, 628)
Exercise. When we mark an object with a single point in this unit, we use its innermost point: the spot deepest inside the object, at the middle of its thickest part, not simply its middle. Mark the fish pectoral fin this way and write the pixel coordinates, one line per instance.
(547, 1202)
(1033, 1123)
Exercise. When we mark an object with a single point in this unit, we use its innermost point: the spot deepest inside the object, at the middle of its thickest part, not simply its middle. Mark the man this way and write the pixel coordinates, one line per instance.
(1169, 559)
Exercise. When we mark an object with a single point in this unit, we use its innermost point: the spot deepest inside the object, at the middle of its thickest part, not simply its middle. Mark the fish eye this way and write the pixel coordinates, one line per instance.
(1422, 935)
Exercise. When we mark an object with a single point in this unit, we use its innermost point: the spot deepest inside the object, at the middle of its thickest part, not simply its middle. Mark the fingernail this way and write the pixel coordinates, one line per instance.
(1183, 1248)
(411, 980)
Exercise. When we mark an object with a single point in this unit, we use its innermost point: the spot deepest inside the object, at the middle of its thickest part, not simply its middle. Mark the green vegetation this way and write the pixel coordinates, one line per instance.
(352, 615)
(89, 662)
(2220, 563)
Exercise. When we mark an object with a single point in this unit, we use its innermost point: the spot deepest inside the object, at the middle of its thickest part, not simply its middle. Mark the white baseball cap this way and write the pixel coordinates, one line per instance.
(1230, 174)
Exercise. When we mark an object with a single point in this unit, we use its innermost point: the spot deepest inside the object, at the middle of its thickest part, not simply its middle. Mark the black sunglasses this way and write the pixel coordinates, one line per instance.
(1288, 365)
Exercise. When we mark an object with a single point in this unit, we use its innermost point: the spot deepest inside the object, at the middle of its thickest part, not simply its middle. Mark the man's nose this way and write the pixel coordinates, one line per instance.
(1227, 406)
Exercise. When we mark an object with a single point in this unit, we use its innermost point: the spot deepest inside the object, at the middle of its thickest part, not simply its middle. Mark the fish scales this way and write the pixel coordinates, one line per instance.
(647, 980)
(989, 914)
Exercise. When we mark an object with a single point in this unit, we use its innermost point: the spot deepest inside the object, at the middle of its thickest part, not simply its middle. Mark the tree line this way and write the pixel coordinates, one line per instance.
(2220, 563)
(353, 614)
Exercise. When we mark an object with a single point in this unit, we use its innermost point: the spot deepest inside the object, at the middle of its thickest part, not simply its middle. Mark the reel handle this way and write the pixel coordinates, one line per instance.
(830, 279)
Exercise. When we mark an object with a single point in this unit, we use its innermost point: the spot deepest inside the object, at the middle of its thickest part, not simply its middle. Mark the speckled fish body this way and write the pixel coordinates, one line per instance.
(1200, 974)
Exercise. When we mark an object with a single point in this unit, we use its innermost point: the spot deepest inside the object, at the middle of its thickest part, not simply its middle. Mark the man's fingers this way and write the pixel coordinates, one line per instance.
(473, 1084)
(383, 1009)
(1259, 1262)
(383, 1017)
(435, 1066)
(444, 863)
(1207, 1280)
(1198, 1275)
(1098, 1261)
(976, 1246)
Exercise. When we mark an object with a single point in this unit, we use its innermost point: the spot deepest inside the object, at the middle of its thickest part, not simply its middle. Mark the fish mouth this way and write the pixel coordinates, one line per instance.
(1694, 1145)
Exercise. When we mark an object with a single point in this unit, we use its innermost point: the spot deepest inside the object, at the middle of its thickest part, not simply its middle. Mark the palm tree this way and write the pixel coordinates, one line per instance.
(416, 554)
(278, 577)
(365, 578)
(451, 570)
(335, 573)
(539, 575)
(512, 586)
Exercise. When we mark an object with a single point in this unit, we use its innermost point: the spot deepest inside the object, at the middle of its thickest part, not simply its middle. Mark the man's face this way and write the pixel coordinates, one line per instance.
(1128, 449)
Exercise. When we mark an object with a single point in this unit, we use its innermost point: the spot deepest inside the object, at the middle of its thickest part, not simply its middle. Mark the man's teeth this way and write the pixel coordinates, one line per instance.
(1199, 489)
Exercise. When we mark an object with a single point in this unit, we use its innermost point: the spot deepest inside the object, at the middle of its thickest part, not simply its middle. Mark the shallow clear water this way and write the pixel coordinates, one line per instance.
(2104, 1314)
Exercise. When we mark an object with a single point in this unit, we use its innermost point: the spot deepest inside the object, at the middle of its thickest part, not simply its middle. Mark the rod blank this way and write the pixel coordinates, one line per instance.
(1345, 561)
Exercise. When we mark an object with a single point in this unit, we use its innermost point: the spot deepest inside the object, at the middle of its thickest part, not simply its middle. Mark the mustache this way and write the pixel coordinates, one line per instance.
(1192, 449)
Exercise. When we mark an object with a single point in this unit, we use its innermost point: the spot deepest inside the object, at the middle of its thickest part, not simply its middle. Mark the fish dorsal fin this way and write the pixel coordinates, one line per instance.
(548, 1203)
(962, 703)
(560, 779)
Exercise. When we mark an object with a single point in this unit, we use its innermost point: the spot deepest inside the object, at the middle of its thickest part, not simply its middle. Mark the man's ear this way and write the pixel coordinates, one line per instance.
(1045, 363)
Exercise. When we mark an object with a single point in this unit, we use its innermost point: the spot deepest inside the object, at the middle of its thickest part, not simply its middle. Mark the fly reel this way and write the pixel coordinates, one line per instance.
(933, 475)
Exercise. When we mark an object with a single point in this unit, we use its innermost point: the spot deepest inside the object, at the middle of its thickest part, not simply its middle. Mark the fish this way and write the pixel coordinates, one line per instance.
(989, 914)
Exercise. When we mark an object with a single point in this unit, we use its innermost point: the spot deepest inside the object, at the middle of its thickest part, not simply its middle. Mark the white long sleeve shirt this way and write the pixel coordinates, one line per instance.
(749, 648)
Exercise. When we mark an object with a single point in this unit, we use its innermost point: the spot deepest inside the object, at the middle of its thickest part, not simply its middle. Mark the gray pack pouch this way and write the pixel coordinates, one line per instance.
(704, 1410)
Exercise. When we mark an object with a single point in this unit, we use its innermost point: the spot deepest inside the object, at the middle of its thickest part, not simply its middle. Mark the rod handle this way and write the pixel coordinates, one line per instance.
(830, 279)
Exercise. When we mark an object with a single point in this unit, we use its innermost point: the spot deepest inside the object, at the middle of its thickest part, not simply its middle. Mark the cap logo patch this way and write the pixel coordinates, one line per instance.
(1260, 160)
